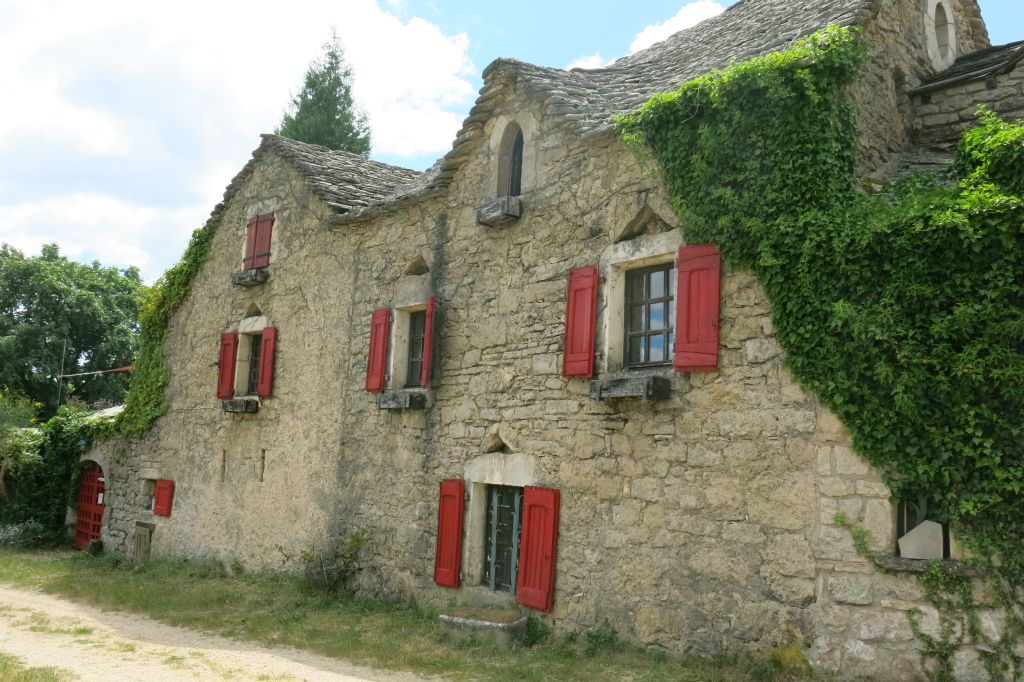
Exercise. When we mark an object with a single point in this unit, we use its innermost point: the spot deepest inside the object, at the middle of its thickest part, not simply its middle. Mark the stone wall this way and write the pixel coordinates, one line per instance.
(941, 116)
(898, 42)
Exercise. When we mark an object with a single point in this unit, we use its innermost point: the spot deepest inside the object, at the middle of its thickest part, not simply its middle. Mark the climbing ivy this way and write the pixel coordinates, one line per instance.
(903, 312)
(145, 400)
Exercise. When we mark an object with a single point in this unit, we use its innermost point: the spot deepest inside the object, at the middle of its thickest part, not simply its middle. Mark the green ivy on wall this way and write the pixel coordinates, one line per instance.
(145, 400)
(903, 312)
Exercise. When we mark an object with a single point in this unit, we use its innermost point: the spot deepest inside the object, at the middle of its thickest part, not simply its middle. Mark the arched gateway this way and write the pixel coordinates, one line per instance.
(90, 505)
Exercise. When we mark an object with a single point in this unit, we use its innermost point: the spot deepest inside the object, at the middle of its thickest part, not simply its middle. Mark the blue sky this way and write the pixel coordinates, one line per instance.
(131, 118)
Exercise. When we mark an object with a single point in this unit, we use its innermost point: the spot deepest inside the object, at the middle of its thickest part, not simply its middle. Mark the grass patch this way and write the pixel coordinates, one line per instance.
(275, 609)
(12, 669)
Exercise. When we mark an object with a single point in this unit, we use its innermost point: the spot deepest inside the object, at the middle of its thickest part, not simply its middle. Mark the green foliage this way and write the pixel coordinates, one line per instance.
(17, 438)
(145, 400)
(47, 299)
(323, 112)
(45, 484)
(903, 312)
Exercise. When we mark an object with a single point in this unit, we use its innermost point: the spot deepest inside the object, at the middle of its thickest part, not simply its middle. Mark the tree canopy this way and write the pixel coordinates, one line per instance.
(46, 300)
(323, 112)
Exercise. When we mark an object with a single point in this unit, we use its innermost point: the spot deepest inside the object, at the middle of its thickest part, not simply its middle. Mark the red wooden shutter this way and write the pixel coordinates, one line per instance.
(376, 367)
(250, 243)
(697, 286)
(261, 250)
(448, 560)
(228, 354)
(265, 381)
(428, 342)
(164, 497)
(535, 582)
(580, 322)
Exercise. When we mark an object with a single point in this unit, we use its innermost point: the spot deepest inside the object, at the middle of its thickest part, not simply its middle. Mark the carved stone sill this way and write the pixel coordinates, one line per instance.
(644, 386)
(249, 278)
(405, 399)
(949, 566)
(241, 405)
(499, 211)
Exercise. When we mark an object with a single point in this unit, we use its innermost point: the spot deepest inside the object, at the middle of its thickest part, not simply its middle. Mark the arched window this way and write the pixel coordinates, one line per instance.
(510, 160)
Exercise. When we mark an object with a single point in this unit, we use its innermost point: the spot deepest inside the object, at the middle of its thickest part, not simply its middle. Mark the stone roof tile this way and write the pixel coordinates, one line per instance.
(979, 65)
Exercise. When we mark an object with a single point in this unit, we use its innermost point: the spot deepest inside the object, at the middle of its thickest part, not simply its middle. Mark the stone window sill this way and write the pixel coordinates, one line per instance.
(948, 566)
(500, 211)
(241, 405)
(646, 384)
(249, 278)
(403, 399)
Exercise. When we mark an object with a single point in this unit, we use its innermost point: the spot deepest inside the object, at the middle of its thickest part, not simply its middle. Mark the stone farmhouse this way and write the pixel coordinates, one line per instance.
(517, 377)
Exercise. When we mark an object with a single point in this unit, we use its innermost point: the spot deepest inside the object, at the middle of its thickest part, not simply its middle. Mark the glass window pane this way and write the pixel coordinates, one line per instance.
(635, 286)
(636, 318)
(658, 316)
(635, 353)
(657, 287)
(657, 348)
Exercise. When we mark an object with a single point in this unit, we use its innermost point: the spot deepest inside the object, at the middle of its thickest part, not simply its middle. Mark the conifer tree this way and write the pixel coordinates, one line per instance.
(323, 112)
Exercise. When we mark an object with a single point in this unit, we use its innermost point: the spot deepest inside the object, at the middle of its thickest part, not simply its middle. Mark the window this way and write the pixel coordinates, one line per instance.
(515, 171)
(401, 346)
(659, 308)
(501, 542)
(149, 493)
(255, 344)
(518, 528)
(246, 364)
(417, 327)
(510, 162)
(927, 539)
(649, 316)
(163, 498)
(258, 235)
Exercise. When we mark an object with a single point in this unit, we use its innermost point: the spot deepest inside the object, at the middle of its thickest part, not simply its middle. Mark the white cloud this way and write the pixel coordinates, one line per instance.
(93, 226)
(688, 15)
(132, 117)
(593, 61)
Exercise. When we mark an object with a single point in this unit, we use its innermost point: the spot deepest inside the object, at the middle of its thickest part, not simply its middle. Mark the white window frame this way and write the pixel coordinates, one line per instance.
(618, 259)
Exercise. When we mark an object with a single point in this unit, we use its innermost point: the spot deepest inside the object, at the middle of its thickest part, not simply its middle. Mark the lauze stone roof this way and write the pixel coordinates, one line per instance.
(585, 99)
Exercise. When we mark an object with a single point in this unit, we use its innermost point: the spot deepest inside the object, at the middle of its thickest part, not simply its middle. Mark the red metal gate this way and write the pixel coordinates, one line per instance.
(90, 506)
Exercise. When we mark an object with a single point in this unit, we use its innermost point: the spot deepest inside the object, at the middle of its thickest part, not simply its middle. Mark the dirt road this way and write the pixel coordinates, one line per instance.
(104, 646)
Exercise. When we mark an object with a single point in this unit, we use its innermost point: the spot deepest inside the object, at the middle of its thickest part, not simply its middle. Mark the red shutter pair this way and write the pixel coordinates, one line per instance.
(164, 497)
(535, 576)
(257, 241)
(229, 355)
(698, 273)
(380, 333)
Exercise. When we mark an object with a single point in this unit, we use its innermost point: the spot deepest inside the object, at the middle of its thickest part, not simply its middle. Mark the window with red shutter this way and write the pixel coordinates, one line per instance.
(580, 322)
(258, 235)
(535, 579)
(697, 307)
(376, 366)
(226, 365)
(164, 497)
(261, 246)
(265, 382)
(448, 559)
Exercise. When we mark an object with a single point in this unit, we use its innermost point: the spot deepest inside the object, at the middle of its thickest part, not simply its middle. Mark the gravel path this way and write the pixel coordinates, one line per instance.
(105, 646)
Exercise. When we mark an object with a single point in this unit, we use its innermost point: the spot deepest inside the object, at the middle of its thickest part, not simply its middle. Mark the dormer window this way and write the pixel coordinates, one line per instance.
(515, 165)
(256, 258)
(510, 162)
(506, 207)
(940, 34)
